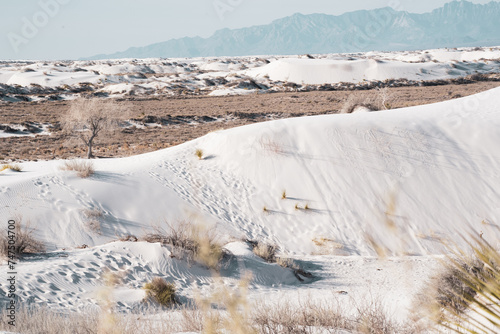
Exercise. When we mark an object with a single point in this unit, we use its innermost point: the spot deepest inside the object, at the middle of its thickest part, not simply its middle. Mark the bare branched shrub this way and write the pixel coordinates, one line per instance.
(21, 241)
(160, 291)
(313, 317)
(193, 319)
(86, 119)
(271, 146)
(83, 169)
(189, 241)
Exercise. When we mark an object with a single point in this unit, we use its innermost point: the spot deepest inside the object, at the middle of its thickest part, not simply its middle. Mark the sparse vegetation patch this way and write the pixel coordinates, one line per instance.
(189, 241)
(160, 291)
(83, 169)
(13, 167)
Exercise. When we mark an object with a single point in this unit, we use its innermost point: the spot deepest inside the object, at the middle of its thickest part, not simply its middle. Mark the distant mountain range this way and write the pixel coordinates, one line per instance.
(457, 24)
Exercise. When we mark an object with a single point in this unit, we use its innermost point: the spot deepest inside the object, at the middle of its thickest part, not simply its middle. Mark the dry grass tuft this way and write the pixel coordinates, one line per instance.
(199, 154)
(93, 219)
(236, 316)
(271, 146)
(265, 251)
(189, 241)
(41, 319)
(310, 317)
(160, 291)
(21, 241)
(14, 167)
(83, 169)
(356, 102)
(465, 298)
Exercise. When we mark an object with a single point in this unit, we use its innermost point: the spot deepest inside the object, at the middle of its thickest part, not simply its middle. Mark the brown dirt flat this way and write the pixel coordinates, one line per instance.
(244, 110)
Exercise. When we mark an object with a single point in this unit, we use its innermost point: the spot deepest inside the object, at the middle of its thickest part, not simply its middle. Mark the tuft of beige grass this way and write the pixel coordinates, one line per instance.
(265, 251)
(83, 169)
(93, 219)
(189, 241)
(14, 167)
(22, 241)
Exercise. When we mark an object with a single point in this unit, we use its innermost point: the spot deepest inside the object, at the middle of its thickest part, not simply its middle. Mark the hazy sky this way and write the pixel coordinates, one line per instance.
(70, 29)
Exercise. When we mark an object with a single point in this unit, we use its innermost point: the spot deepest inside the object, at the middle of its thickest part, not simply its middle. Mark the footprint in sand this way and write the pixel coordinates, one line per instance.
(75, 278)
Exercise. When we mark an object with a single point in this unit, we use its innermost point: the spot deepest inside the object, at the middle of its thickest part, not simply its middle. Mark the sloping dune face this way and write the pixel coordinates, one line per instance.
(435, 167)
(330, 71)
(393, 182)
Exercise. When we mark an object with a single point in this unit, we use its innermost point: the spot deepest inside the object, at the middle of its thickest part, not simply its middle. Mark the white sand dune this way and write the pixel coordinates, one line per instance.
(321, 71)
(36, 80)
(404, 180)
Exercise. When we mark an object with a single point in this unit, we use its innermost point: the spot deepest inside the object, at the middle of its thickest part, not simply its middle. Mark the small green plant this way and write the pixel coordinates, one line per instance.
(160, 291)
(14, 167)
(199, 153)
(283, 194)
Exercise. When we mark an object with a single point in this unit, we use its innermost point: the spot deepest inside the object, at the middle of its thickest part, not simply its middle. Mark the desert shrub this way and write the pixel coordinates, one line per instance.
(288, 263)
(160, 291)
(355, 101)
(283, 194)
(466, 296)
(189, 241)
(24, 241)
(265, 251)
(93, 220)
(86, 119)
(14, 167)
(271, 146)
(83, 169)
(327, 317)
(199, 153)
(234, 301)
(41, 319)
